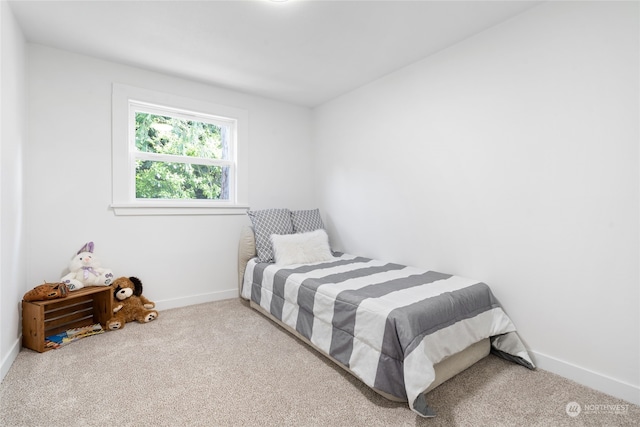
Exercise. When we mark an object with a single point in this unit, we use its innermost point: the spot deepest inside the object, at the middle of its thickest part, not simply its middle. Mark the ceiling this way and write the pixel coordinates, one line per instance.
(304, 52)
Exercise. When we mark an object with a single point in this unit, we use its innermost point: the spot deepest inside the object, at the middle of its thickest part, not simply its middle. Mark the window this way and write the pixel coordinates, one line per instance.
(174, 155)
(181, 155)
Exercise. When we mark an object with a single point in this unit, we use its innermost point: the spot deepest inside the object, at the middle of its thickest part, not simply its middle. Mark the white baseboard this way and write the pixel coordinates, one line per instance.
(196, 299)
(594, 380)
(11, 356)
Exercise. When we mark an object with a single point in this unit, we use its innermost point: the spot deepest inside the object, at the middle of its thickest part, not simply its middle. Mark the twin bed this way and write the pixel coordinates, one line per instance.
(401, 330)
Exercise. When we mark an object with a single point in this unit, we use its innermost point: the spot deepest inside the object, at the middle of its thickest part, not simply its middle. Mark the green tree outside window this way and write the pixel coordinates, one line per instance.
(190, 177)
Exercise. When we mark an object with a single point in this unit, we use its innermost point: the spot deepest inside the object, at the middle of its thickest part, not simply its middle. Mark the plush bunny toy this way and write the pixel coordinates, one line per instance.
(84, 270)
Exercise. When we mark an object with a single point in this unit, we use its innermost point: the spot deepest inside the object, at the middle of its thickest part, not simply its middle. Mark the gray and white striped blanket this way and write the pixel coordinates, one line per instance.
(388, 323)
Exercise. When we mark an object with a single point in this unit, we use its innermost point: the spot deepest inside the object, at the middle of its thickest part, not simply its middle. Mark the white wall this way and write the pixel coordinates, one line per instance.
(180, 259)
(512, 158)
(12, 141)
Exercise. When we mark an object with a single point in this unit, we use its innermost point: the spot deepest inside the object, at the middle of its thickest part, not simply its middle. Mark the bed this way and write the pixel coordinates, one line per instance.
(401, 330)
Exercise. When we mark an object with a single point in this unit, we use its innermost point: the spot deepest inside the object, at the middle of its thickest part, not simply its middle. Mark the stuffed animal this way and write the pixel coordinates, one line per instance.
(129, 304)
(84, 270)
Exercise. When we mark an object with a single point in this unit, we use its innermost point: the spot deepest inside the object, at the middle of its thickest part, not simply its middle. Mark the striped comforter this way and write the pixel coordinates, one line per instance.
(388, 323)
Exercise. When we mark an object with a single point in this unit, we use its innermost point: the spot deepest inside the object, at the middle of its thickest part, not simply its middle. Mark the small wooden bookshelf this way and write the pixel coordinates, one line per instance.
(83, 307)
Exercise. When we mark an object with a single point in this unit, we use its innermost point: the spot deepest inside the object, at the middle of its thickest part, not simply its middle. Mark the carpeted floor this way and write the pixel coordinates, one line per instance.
(223, 364)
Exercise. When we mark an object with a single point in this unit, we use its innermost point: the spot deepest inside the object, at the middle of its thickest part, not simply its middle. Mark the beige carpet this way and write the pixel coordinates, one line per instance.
(223, 364)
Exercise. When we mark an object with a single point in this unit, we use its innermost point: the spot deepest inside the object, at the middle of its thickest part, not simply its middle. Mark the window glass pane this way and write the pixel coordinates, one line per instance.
(163, 180)
(181, 137)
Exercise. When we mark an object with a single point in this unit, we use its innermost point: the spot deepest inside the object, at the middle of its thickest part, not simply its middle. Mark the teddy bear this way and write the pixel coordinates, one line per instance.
(84, 270)
(129, 304)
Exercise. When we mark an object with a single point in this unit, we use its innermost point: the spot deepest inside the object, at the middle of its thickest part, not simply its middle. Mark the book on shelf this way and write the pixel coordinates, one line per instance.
(71, 335)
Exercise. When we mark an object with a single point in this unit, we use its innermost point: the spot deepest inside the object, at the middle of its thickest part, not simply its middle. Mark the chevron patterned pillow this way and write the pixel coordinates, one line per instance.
(304, 221)
(265, 223)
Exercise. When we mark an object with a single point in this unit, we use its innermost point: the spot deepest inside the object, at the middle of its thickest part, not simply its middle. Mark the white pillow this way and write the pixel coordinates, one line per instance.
(301, 248)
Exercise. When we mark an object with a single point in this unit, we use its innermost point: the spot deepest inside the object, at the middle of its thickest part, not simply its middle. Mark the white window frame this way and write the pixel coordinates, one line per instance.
(125, 101)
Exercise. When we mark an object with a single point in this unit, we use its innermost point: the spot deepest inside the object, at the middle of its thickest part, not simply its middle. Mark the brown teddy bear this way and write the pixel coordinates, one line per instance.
(129, 304)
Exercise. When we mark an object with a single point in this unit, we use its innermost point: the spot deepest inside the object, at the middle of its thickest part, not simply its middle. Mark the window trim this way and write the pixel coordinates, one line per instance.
(124, 201)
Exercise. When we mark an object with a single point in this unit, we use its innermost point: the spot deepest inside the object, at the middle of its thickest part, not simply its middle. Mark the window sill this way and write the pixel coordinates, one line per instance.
(154, 208)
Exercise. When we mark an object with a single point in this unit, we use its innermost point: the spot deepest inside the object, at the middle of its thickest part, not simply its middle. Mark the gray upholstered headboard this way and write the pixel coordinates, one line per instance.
(246, 251)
